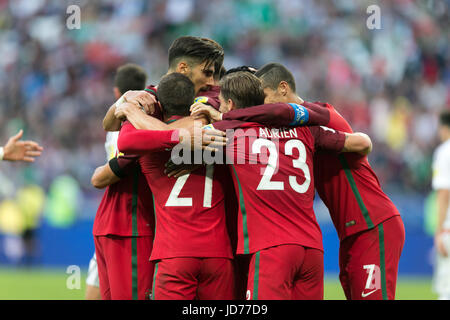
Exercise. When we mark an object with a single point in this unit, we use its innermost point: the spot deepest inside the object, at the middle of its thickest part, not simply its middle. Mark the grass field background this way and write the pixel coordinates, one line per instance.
(50, 284)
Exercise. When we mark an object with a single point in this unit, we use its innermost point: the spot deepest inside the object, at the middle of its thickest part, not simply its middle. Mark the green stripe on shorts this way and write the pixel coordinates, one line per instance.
(256, 276)
(382, 261)
(154, 281)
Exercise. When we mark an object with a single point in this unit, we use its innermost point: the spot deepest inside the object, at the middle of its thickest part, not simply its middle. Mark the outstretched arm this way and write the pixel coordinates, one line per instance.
(17, 150)
(276, 114)
(133, 141)
(337, 141)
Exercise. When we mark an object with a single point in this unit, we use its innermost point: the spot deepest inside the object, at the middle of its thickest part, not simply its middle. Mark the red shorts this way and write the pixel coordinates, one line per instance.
(194, 278)
(124, 269)
(286, 272)
(368, 261)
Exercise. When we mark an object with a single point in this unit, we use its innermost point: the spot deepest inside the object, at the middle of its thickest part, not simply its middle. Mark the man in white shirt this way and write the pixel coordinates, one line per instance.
(441, 183)
(18, 150)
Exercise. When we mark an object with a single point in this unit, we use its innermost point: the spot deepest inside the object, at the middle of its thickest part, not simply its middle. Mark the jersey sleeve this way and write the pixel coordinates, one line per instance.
(281, 114)
(133, 141)
(158, 112)
(336, 120)
(441, 170)
(210, 97)
(120, 164)
(226, 125)
(327, 139)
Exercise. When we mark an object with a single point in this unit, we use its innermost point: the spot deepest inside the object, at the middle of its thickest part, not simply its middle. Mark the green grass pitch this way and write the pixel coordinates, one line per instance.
(51, 284)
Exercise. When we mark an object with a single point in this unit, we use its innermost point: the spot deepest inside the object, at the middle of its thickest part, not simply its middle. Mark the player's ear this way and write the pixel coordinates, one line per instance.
(117, 94)
(231, 105)
(182, 67)
(283, 88)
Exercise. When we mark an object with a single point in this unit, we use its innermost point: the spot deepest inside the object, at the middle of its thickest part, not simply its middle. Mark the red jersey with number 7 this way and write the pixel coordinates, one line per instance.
(272, 172)
(348, 186)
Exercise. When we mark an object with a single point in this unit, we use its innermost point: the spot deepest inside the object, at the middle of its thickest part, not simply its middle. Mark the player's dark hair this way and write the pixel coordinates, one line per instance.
(176, 93)
(219, 73)
(271, 74)
(243, 88)
(444, 118)
(130, 76)
(195, 50)
(241, 68)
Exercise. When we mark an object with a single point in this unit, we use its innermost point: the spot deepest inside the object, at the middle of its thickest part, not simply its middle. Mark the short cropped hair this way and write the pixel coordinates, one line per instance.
(243, 88)
(195, 50)
(241, 68)
(271, 74)
(444, 118)
(176, 93)
(130, 76)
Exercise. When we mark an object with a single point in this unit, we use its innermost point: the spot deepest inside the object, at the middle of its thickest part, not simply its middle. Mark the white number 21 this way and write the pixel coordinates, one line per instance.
(175, 201)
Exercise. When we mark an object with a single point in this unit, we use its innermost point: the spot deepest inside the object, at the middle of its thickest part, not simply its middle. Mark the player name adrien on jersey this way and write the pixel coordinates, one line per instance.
(277, 133)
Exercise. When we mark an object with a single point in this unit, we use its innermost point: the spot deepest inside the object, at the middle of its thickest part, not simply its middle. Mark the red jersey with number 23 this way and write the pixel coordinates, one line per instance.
(272, 172)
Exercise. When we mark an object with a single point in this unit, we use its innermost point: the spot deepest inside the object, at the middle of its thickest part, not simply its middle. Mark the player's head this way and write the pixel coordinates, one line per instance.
(277, 81)
(444, 125)
(241, 68)
(176, 94)
(240, 90)
(129, 76)
(196, 58)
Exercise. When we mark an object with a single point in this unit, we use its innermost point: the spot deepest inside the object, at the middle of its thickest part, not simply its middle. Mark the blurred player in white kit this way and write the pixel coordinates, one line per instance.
(441, 183)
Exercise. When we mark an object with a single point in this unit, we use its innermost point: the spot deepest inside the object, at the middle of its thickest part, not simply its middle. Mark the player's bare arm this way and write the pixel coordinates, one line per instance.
(103, 176)
(138, 117)
(110, 122)
(141, 99)
(17, 150)
(357, 142)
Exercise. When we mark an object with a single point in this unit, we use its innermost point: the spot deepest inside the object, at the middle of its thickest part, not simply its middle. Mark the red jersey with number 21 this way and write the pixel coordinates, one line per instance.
(189, 210)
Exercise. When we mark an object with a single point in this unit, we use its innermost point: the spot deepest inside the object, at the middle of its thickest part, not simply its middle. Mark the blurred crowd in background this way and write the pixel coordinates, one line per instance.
(56, 83)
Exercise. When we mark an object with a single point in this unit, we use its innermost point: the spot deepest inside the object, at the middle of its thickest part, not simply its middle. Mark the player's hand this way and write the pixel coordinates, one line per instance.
(125, 109)
(199, 109)
(16, 150)
(439, 243)
(141, 98)
(197, 137)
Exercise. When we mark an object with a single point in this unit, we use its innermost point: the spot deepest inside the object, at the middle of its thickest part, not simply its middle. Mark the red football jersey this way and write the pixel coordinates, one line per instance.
(346, 182)
(210, 96)
(189, 210)
(126, 208)
(272, 170)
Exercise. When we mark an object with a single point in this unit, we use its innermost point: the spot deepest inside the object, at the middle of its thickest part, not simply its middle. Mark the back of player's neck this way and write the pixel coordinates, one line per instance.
(296, 99)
